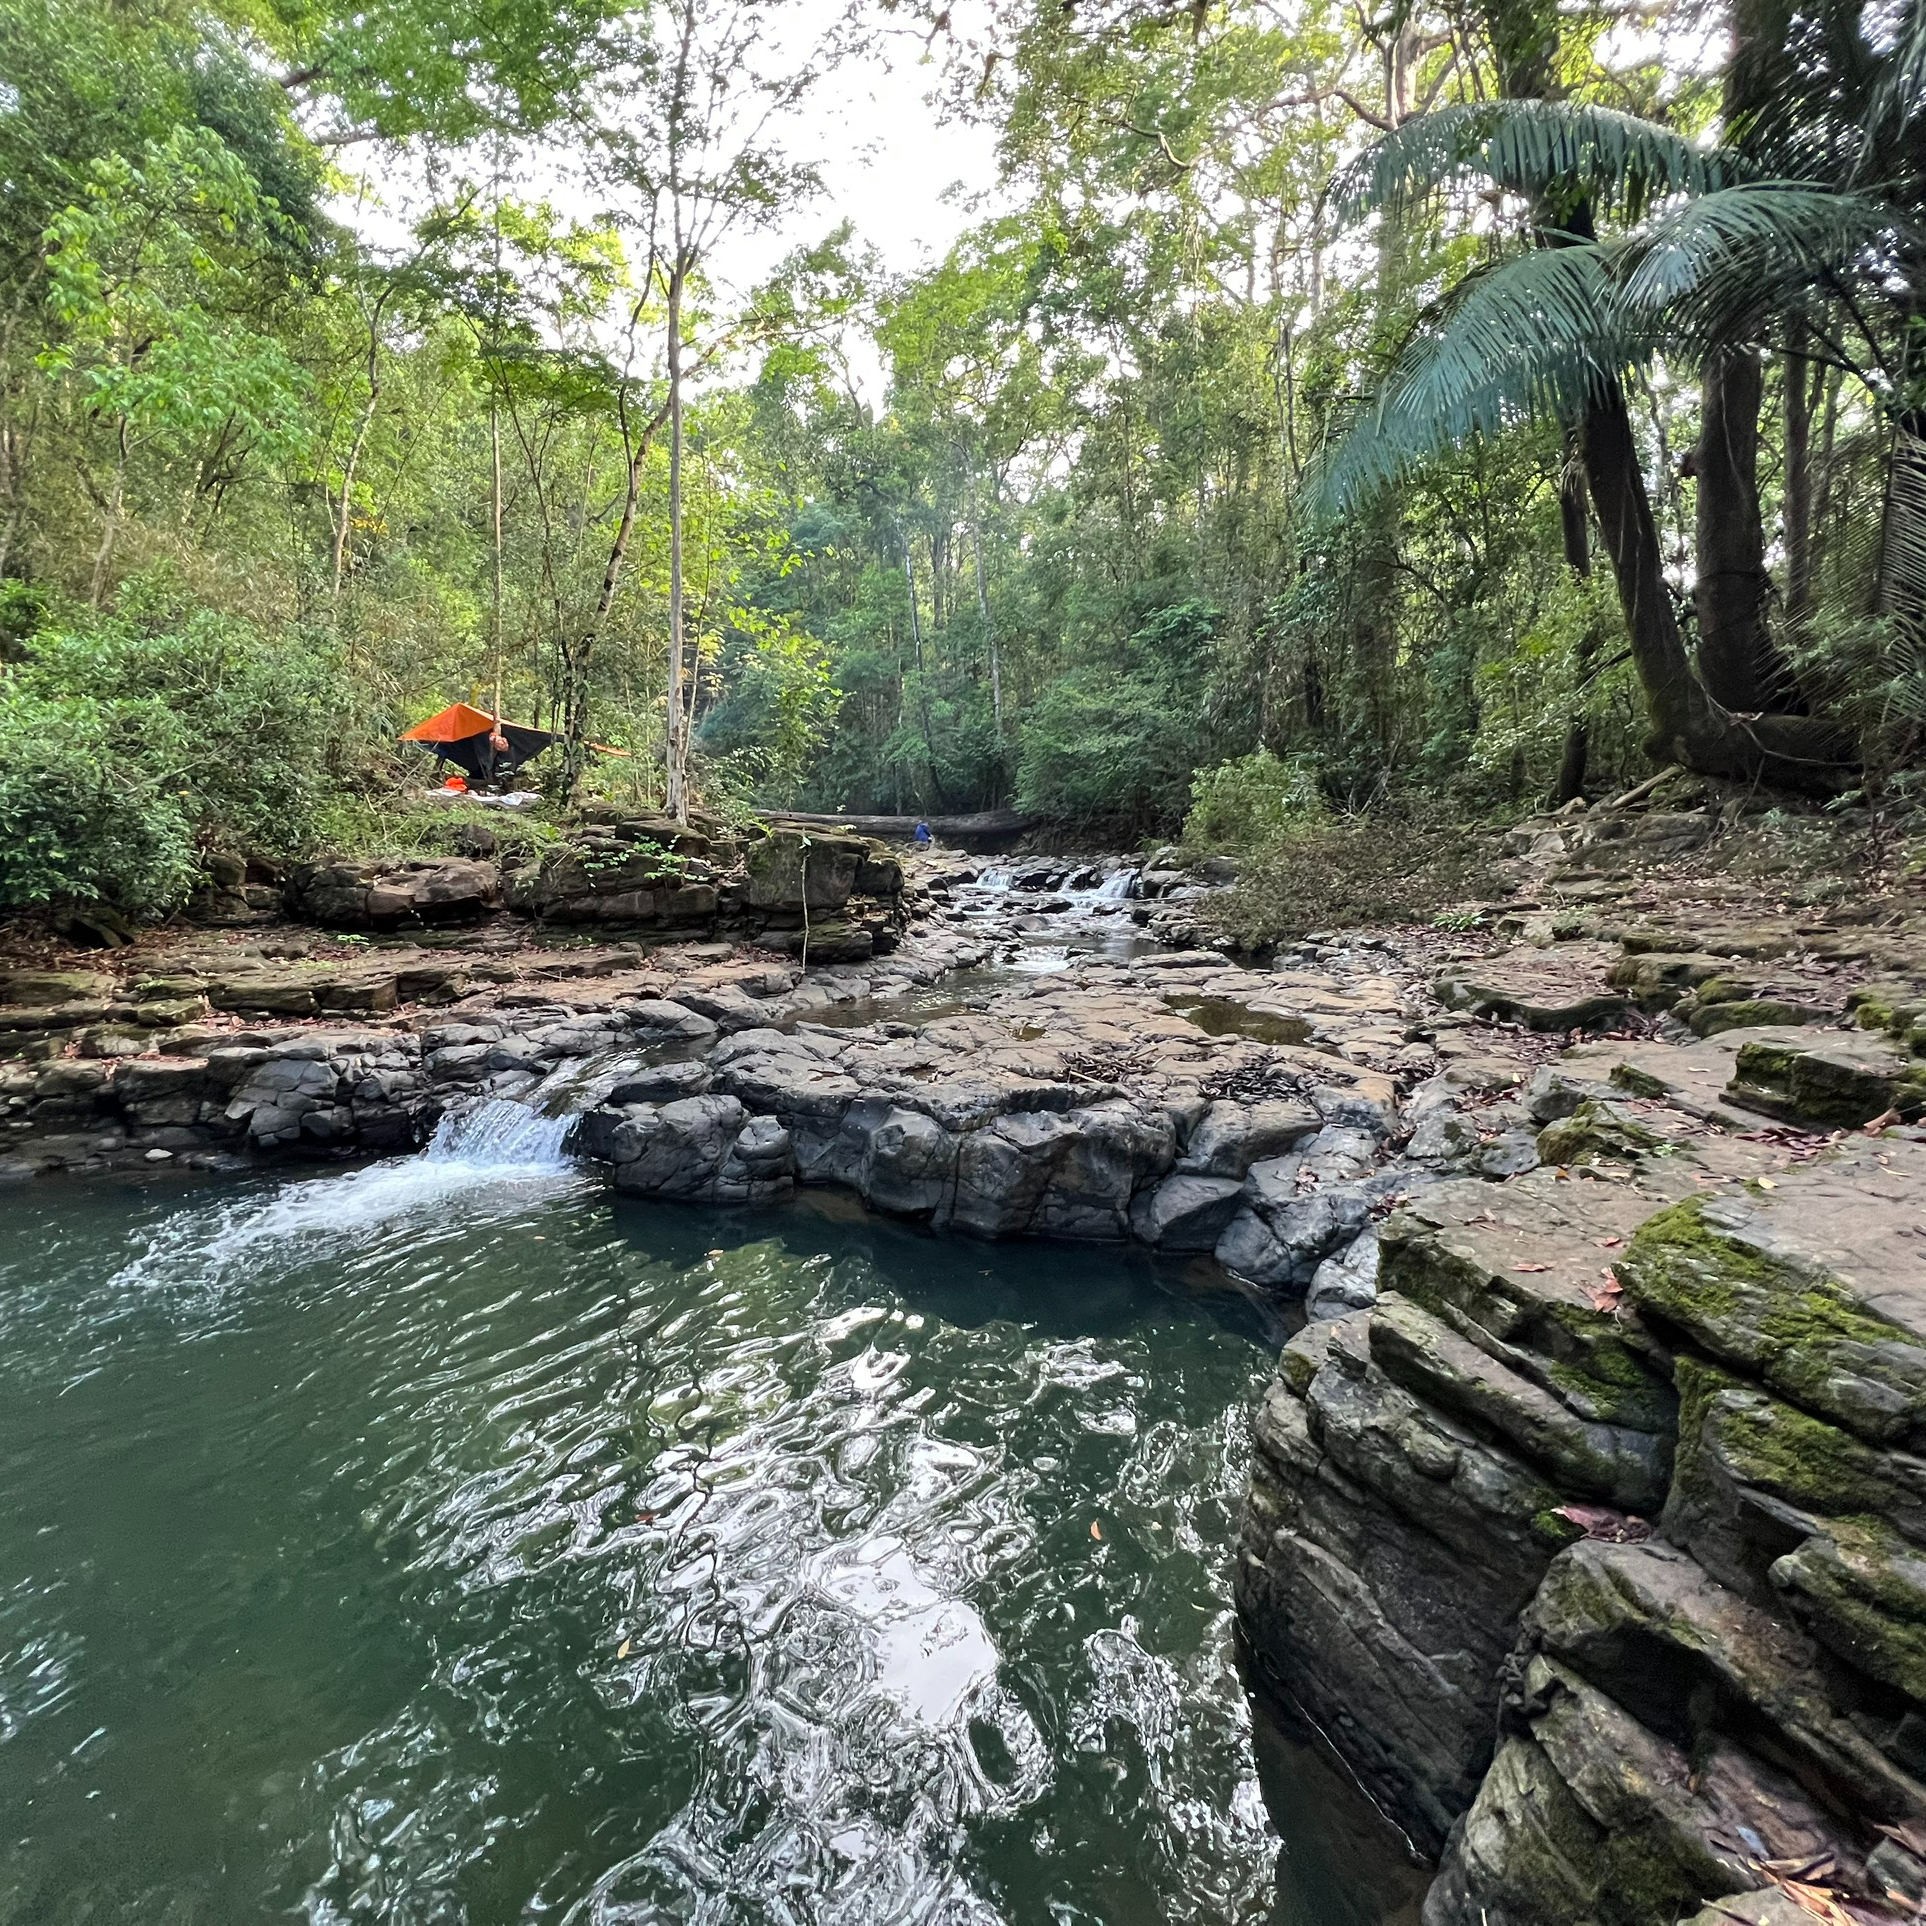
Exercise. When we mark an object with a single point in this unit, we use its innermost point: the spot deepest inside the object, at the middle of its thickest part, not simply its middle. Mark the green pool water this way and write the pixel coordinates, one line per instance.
(448, 1541)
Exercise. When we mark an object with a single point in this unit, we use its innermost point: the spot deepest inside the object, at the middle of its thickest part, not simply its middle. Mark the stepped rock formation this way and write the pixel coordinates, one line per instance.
(1597, 1545)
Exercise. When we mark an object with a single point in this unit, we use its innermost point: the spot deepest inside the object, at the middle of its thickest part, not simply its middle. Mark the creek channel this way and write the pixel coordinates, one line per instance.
(449, 1539)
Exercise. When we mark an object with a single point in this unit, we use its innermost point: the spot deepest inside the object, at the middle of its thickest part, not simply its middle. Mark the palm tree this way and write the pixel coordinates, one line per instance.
(1802, 235)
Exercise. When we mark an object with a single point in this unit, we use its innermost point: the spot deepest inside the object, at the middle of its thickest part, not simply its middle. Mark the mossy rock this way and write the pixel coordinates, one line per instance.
(1798, 1288)
(1750, 1013)
(1524, 1287)
(1860, 1589)
(1598, 1133)
(1843, 1080)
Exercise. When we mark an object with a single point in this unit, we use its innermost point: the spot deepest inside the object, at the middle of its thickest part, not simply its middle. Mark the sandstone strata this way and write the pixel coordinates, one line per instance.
(1595, 1544)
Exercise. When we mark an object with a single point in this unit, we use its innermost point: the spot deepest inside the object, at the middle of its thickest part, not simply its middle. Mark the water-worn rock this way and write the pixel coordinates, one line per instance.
(1387, 1551)
(1347, 1281)
(1186, 1213)
(367, 896)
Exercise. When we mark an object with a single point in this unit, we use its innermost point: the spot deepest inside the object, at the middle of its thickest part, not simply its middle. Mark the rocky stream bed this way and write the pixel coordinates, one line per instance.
(1588, 1518)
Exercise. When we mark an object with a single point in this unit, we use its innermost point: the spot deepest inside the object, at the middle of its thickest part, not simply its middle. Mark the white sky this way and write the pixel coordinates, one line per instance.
(909, 181)
(888, 163)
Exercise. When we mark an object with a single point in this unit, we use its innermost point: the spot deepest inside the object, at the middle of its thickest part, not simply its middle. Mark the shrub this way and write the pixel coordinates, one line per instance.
(126, 749)
(1251, 801)
(79, 821)
(1099, 747)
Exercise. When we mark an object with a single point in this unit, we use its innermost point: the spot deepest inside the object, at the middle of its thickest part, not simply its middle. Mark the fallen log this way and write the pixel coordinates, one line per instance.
(984, 833)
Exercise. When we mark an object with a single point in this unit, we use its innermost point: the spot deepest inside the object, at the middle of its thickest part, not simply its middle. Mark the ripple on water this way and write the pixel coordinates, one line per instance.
(494, 1552)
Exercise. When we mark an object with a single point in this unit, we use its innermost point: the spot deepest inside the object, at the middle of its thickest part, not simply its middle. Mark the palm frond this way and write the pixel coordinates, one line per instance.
(1532, 148)
(1538, 337)
(1899, 95)
(1902, 562)
(1725, 266)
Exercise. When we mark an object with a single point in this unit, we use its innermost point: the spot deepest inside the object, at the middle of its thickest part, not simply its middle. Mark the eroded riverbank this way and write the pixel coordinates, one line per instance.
(1613, 1369)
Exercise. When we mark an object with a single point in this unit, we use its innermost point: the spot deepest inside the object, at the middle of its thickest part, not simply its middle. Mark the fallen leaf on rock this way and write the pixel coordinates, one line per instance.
(1531, 1267)
(1908, 1833)
(1815, 1900)
(1600, 1521)
(1609, 1295)
(1096, 1530)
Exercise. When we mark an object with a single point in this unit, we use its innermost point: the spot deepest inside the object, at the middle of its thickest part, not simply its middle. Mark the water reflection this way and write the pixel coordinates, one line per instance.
(496, 1558)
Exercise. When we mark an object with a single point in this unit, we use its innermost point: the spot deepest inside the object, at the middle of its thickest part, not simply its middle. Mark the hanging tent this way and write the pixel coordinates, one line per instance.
(465, 737)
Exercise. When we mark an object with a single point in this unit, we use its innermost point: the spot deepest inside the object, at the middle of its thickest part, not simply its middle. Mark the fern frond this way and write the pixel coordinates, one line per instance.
(1533, 148)
(1538, 337)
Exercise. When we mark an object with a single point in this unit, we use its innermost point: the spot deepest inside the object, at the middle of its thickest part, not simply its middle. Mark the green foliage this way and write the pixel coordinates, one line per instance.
(1105, 749)
(1251, 801)
(126, 749)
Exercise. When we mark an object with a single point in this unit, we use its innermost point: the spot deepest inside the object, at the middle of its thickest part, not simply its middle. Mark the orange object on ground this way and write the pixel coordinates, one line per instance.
(456, 782)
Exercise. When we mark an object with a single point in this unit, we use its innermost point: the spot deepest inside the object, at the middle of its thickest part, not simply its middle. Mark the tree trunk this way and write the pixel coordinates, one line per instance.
(1797, 378)
(1793, 751)
(1574, 511)
(676, 782)
(577, 657)
(110, 514)
(989, 631)
(1741, 667)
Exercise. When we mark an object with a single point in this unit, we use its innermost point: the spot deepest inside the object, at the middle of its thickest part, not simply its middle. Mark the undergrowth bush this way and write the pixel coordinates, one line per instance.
(379, 828)
(1251, 801)
(1381, 868)
(127, 748)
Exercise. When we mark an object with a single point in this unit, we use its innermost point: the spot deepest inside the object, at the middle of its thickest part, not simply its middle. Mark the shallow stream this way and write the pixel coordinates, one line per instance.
(449, 1541)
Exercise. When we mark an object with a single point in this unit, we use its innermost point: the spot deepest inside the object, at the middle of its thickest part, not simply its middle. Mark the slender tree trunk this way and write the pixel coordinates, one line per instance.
(1798, 383)
(110, 517)
(344, 506)
(495, 520)
(989, 631)
(677, 788)
(1574, 513)
(577, 657)
(1740, 665)
(1673, 698)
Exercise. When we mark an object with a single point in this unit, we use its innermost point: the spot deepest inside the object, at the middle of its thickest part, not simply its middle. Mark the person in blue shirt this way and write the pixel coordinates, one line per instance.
(923, 836)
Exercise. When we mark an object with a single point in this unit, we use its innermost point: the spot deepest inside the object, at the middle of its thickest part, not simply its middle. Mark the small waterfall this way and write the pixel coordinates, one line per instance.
(497, 1133)
(489, 1159)
(1118, 887)
(995, 879)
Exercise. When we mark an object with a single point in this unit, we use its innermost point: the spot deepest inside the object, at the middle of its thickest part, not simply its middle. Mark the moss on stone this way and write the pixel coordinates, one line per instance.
(1793, 1328)
(1597, 1131)
(1774, 1446)
(1859, 1589)
(1556, 1532)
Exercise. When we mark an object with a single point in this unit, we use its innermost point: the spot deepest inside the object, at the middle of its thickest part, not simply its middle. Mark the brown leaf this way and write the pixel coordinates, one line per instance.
(1531, 1267)
(1096, 1530)
(1610, 1295)
(1600, 1521)
(1815, 1900)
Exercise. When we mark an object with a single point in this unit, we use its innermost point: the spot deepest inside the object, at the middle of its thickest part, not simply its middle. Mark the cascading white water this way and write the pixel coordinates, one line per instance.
(498, 1134)
(490, 1159)
(995, 879)
(1118, 887)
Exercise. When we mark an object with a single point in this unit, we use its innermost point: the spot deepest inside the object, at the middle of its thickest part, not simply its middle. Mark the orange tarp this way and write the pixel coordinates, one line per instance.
(456, 723)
